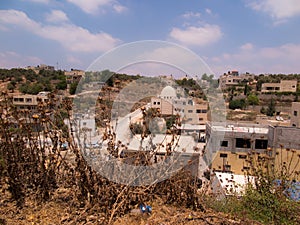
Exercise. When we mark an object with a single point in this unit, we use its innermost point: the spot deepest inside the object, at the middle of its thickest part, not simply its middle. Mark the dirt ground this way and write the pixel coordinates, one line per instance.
(61, 210)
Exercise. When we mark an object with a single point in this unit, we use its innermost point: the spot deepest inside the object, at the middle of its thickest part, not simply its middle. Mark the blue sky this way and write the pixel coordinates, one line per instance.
(257, 36)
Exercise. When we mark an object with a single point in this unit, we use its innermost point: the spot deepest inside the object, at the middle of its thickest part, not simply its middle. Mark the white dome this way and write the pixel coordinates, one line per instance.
(169, 92)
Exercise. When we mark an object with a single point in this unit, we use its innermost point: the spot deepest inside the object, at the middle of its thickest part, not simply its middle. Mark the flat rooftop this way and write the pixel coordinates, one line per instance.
(240, 128)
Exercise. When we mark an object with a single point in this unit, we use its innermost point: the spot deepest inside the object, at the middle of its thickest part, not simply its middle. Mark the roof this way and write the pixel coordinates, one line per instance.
(191, 127)
(184, 143)
(168, 91)
(241, 128)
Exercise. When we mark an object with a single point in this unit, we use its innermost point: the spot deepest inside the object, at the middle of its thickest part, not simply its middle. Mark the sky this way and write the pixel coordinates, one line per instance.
(255, 36)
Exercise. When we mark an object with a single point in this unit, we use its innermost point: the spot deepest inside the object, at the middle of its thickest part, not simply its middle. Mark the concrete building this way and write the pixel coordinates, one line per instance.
(37, 68)
(196, 113)
(74, 75)
(181, 153)
(232, 78)
(283, 86)
(170, 103)
(295, 114)
(228, 146)
(29, 101)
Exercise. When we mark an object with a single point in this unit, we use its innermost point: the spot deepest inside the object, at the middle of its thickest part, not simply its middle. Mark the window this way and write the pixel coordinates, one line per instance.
(28, 99)
(154, 103)
(242, 143)
(224, 143)
(84, 124)
(204, 111)
(261, 144)
(158, 103)
(295, 113)
(198, 111)
(201, 119)
(227, 168)
(190, 111)
(246, 167)
(223, 155)
(242, 156)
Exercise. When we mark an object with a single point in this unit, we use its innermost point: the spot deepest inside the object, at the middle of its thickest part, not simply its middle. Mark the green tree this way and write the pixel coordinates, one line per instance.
(252, 99)
(73, 88)
(247, 90)
(11, 87)
(271, 108)
(237, 104)
(62, 85)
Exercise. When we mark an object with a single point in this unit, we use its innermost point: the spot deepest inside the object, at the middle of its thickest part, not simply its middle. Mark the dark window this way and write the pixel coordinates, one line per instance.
(201, 119)
(190, 111)
(242, 156)
(277, 88)
(158, 103)
(204, 111)
(261, 144)
(223, 155)
(295, 113)
(154, 103)
(242, 143)
(198, 111)
(246, 168)
(227, 167)
(224, 143)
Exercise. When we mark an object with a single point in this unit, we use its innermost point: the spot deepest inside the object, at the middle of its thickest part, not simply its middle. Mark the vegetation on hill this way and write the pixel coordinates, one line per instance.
(28, 82)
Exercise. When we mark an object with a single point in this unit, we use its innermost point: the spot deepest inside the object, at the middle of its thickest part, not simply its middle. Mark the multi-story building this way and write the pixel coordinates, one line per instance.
(74, 76)
(228, 146)
(283, 86)
(29, 101)
(295, 114)
(232, 78)
(170, 103)
(36, 69)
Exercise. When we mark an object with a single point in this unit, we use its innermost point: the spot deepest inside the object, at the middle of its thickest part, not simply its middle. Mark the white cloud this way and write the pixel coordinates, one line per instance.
(247, 47)
(197, 36)
(277, 9)
(278, 59)
(94, 6)
(57, 16)
(10, 59)
(208, 11)
(17, 18)
(70, 36)
(189, 15)
(119, 8)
